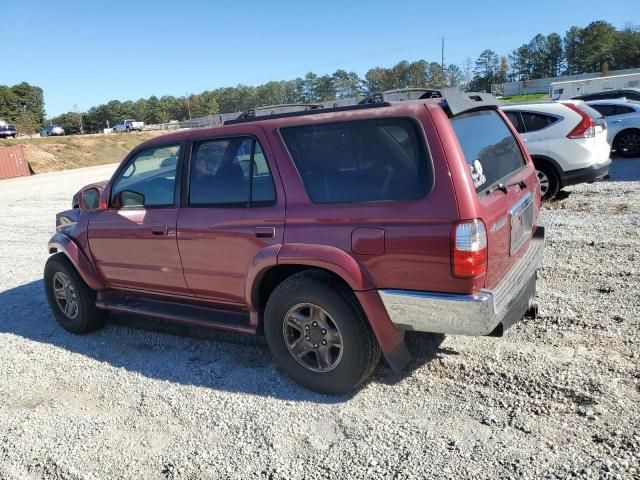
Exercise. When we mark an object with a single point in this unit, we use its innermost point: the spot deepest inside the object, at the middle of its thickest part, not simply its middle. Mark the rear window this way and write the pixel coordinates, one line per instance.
(489, 147)
(360, 161)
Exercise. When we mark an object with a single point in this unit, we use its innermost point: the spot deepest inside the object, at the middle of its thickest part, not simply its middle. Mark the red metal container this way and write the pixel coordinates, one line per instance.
(13, 163)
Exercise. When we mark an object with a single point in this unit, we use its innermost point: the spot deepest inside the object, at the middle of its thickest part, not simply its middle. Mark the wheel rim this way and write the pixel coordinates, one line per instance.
(630, 143)
(65, 295)
(544, 182)
(312, 337)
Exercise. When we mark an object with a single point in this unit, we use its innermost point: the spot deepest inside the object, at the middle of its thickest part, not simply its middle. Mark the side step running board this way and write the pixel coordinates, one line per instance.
(174, 311)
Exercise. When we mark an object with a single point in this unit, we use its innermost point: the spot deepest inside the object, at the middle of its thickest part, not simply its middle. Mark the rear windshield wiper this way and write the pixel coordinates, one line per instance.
(505, 188)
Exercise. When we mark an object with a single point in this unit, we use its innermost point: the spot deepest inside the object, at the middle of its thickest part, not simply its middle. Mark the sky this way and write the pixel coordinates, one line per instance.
(87, 52)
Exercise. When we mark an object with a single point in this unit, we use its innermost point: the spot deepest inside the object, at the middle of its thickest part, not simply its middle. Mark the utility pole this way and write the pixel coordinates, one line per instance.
(188, 104)
(442, 64)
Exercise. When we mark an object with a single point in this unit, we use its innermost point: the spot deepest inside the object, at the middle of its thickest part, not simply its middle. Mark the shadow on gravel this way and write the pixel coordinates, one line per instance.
(424, 347)
(223, 361)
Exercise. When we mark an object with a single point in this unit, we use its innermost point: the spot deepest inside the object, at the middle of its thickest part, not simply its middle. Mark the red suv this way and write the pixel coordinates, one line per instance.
(330, 231)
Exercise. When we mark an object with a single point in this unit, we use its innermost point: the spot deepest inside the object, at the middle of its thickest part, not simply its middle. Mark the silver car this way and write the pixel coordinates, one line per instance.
(52, 131)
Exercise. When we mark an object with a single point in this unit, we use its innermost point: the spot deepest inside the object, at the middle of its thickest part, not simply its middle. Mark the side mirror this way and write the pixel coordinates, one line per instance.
(90, 199)
(128, 198)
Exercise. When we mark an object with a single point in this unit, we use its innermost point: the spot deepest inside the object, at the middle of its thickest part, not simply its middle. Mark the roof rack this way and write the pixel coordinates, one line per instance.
(252, 114)
(401, 94)
(454, 100)
(275, 109)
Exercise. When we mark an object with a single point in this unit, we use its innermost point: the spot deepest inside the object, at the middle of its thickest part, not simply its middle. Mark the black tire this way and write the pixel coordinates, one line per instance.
(88, 317)
(548, 173)
(360, 352)
(114, 130)
(627, 143)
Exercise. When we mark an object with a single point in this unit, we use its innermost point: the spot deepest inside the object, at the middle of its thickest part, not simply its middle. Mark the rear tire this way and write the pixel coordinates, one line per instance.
(313, 312)
(627, 143)
(72, 302)
(549, 181)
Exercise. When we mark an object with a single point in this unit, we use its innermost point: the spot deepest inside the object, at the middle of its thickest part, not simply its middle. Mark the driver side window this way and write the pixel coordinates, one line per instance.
(148, 180)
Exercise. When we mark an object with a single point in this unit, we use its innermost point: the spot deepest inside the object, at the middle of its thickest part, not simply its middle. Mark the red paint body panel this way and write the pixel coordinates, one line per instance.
(129, 255)
(64, 244)
(492, 208)
(367, 241)
(218, 245)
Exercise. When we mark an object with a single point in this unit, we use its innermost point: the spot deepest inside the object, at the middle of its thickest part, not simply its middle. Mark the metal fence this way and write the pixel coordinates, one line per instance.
(541, 85)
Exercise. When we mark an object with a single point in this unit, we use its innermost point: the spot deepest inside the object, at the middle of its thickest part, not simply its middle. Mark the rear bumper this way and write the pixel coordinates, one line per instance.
(476, 314)
(583, 175)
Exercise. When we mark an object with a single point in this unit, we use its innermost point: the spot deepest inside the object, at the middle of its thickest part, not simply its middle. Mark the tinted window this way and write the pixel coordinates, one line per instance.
(228, 172)
(622, 110)
(537, 121)
(516, 119)
(148, 180)
(489, 147)
(359, 161)
(606, 110)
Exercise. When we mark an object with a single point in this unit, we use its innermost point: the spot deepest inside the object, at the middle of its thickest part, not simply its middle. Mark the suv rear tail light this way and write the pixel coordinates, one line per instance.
(469, 249)
(586, 128)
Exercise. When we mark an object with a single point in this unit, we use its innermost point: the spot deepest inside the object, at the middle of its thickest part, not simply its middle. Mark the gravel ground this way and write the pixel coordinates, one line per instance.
(556, 397)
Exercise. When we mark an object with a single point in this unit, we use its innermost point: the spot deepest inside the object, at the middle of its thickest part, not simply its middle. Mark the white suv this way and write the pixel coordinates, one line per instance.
(623, 123)
(567, 142)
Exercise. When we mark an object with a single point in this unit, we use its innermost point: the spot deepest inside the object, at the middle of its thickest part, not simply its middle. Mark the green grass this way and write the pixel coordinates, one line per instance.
(533, 97)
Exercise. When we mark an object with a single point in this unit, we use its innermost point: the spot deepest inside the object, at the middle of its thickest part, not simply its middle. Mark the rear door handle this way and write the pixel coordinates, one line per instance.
(161, 230)
(265, 232)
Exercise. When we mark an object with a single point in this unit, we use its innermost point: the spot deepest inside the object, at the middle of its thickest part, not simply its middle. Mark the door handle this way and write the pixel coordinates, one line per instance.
(161, 230)
(265, 232)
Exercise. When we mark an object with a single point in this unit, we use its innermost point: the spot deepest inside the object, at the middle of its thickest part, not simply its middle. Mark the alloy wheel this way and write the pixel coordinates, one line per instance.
(544, 183)
(630, 143)
(312, 337)
(65, 295)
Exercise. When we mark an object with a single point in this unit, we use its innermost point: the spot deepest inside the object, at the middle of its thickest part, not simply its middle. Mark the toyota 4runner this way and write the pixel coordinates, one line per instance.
(332, 231)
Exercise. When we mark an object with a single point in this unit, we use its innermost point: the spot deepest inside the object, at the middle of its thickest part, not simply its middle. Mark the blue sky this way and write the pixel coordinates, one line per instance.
(88, 52)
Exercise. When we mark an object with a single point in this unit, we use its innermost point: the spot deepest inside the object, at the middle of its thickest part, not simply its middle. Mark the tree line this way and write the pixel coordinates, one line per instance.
(597, 47)
(22, 105)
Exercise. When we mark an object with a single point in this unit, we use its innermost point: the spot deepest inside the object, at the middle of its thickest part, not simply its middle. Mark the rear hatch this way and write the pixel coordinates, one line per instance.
(505, 185)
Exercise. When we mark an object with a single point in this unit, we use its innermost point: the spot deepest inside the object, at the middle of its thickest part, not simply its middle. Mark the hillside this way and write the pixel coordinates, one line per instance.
(60, 153)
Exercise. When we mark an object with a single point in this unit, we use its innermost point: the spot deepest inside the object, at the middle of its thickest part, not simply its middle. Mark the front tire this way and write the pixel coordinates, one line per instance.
(549, 181)
(318, 334)
(70, 299)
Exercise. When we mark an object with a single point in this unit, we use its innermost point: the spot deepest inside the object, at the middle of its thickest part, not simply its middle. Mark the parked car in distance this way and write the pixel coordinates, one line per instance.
(623, 124)
(7, 130)
(628, 93)
(127, 126)
(566, 140)
(330, 231)
(52, 131)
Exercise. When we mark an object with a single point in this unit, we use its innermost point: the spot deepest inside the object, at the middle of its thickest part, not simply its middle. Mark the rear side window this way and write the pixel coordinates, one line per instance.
(360, 161)
(516, 119)
(537, 121)
(230, 172)
(489, 147)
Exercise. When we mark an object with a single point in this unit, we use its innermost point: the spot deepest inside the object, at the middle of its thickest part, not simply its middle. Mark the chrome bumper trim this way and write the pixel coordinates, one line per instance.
(475, 314)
